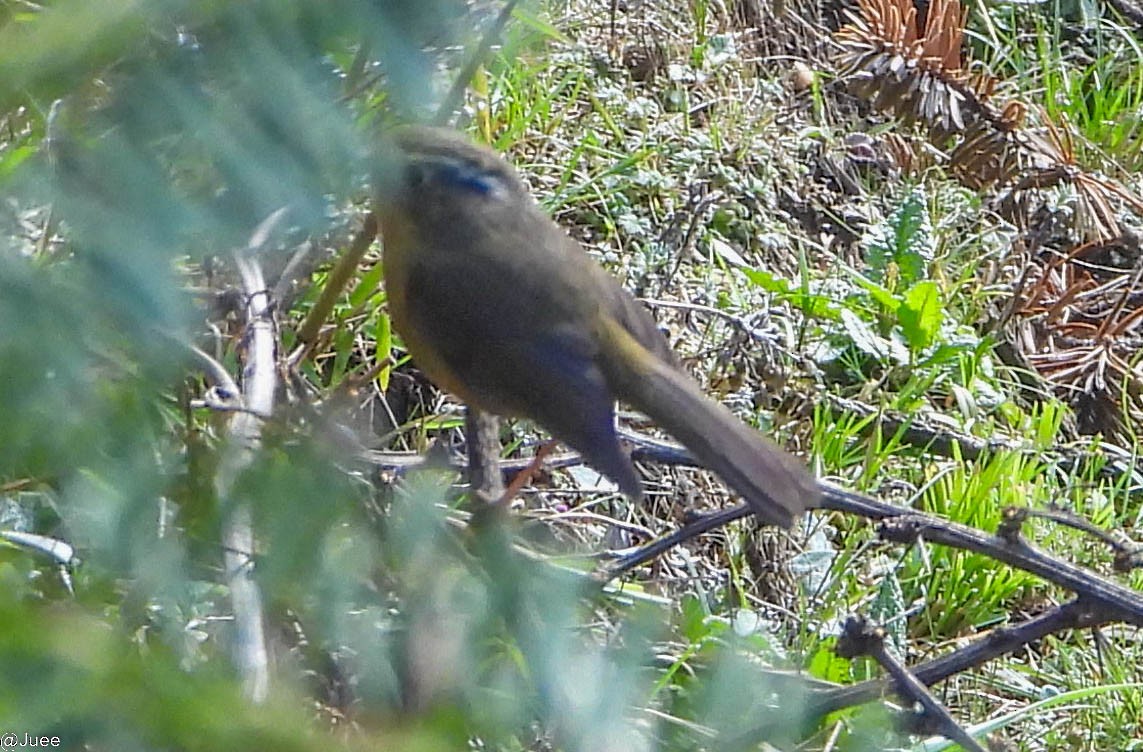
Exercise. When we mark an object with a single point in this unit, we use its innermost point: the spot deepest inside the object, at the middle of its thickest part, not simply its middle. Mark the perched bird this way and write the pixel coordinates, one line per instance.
(503, 309)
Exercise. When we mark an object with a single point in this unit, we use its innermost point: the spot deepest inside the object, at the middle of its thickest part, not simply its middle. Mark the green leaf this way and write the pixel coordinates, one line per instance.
(888, 609)
(343, 343)
(768, 281)
(15, 158)
(825, 664)
(920, 315)
(882, 295)
(537, 24)
(812, 304)
(693, 622)
(863, 336)
(369, 284)
(904, 243)
(383, 336)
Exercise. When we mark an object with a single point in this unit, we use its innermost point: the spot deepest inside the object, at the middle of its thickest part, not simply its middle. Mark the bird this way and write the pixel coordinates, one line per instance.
(498, 305)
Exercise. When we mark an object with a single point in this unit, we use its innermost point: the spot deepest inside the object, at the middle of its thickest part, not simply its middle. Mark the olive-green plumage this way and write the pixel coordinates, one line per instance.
(499, 306)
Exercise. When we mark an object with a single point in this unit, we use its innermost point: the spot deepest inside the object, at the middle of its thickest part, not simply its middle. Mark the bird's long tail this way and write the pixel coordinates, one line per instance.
(775, 484)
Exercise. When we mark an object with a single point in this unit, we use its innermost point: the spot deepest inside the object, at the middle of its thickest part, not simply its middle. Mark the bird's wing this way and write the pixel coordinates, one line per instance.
(613, 300)
(511, 354)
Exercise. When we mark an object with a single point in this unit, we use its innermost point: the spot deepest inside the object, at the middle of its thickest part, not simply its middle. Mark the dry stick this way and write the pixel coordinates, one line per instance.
(1118, 463)
(245, 429)
(1114, 602)
(524, 477)
(904, 525)
(1111, 601)
(511, 469)
(1000, 641)
(939, 440)
(913, 431)
(1099, 601)
(1132, 12)
(217, 373)
(997, 642)
(860, 638)
(402, 462)
(1125, 550)
(698, 525)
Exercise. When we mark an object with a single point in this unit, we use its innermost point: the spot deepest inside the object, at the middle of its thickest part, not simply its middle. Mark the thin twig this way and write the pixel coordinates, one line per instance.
(245, 430)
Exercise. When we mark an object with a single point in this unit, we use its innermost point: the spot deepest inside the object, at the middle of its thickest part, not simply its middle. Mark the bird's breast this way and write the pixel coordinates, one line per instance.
(403, 253)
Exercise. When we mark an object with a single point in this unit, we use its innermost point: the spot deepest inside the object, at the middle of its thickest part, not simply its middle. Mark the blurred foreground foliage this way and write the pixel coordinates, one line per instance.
(139, 137)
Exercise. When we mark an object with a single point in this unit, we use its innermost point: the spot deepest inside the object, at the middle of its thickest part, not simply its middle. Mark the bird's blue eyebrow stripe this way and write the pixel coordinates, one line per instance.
(468, 176)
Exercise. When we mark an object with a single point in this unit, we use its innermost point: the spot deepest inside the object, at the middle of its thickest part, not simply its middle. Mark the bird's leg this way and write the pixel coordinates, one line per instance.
(482, 437)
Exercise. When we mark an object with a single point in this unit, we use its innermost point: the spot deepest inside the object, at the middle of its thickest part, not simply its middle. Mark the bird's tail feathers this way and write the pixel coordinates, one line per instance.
(775, 484)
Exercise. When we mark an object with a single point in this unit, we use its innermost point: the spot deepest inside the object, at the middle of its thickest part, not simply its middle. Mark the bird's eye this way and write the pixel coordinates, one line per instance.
(418, 174)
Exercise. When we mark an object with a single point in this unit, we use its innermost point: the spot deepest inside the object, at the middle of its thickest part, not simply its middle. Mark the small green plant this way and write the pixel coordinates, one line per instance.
(967, 591)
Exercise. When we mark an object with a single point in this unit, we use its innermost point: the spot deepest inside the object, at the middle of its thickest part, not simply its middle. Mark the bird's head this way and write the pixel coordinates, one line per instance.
(419, 169)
